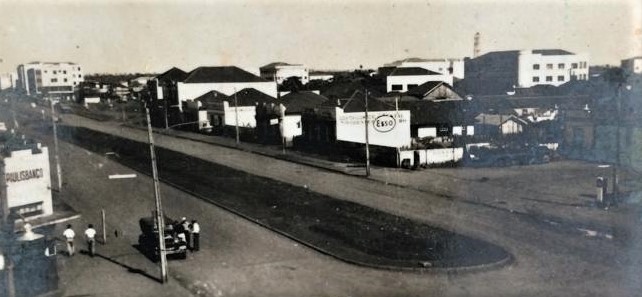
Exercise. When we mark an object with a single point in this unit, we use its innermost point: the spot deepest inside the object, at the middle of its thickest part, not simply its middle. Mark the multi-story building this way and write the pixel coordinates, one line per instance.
(280, 71)
(503, 71)
(632, 65)
(51, 80)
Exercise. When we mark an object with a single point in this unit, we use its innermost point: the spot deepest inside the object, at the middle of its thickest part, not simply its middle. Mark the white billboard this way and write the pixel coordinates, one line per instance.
(27, 182)
(385, 128)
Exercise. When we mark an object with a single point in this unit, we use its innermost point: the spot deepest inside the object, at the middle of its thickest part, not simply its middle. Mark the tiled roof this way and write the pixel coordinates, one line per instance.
(212, 99)
(296, 102)
(431, 113)
(552, 52)
(250, 96)
(423, 89)
(357, 104)
(221, 74)
(273, 65)
(403, 71)
(173, 74)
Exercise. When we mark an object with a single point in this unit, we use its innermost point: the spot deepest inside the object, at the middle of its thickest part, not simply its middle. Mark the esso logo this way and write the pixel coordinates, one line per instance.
(384, 123)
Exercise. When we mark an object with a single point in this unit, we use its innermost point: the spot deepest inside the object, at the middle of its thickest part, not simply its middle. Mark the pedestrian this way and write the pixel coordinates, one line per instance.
(186, 230)
(196, 235)
(90, 235)
(69, 235)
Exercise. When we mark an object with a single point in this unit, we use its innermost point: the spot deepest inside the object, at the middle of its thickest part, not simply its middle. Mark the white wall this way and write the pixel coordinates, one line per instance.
(526, 72)
(406, 80)
(440, 65)
(511, 127)
(27, 179)
(191, 91)
(246, 115)
(432, 156)
(385, 128)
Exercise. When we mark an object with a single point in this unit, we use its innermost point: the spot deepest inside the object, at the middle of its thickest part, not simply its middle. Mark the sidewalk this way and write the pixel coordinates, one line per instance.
(117, 269)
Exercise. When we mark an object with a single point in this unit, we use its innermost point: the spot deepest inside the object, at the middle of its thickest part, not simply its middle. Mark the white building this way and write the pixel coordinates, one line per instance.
(632, 65)
(54, 80)
(550, 67)
(224, 79)
(7, 81)
(503, 71)
(25, 189)
(453, 67)
(280, 71)
(402, 79)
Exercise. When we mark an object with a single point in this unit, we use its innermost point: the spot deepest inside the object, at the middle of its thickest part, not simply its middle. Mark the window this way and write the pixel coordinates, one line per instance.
(54, 72)
(53, 80)
(549, 66)
(298, 124)
(410, 86)
(78, 68)
(535, 66)
(573, 77)
(64, 72)
(574, 65)
(549, 78)
(560, 78)
(397, 87)
(535, 78)
(65, 80)
(560, 66)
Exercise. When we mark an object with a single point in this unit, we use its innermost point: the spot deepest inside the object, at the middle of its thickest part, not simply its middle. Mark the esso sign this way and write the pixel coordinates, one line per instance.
(384, 123)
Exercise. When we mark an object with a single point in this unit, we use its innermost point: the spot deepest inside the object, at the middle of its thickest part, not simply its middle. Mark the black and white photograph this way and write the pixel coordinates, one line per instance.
(321, 148)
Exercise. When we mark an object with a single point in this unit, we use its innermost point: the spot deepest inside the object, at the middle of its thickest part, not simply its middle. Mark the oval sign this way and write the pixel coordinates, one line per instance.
(384, 123)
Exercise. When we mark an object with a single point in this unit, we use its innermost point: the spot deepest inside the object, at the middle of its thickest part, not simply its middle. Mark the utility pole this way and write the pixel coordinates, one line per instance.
(56, 156)
(367, 140)
(160, 224)
(236, 116)
(616, 191)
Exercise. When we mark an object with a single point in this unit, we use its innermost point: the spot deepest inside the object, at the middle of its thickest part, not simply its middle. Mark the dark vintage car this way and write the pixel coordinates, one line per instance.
(175, 246)
(507, 156)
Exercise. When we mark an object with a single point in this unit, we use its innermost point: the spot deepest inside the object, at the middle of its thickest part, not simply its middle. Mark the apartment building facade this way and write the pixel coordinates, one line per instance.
(51, 80)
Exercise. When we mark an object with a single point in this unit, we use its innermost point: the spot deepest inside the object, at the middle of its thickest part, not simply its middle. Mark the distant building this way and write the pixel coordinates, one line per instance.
(503, 71)
(51, 80)
(402, 79)
(280, 71)
(320, 75)
(632, 65)
(7, 81)
(453, 67)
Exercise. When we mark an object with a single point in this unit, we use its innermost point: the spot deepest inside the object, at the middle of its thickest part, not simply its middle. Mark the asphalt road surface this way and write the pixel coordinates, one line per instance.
(241, 258)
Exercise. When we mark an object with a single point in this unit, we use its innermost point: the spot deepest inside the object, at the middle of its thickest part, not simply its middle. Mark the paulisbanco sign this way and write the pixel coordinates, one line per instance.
(12, 177)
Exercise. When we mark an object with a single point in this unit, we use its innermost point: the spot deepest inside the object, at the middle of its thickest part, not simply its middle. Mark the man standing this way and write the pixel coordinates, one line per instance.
(69, 235)
(196, 235)
(90, 235)
(186, 231)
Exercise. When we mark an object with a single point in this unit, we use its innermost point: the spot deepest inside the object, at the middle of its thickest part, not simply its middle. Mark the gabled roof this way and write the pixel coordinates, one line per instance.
(431, 113)
(297, 102)
(212, 99)
(356, 103)
(552, 52)
(274, 65)
(173, 74)
(250, 96)
(221, 74)
(425, 88)
(497, 119)
(403, 71)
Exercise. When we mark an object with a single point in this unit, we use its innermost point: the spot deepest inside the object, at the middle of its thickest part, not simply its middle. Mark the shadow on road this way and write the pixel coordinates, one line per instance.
(130, 269)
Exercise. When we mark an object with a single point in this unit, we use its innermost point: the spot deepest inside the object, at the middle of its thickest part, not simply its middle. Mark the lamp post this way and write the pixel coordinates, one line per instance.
(160, 224)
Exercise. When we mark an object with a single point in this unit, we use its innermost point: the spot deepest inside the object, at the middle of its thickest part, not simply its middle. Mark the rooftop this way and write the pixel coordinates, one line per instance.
(173, 74)
(276, 64)
(552, 52)
(406, 71)
(250, 96)
(296, 102)
(221, 74)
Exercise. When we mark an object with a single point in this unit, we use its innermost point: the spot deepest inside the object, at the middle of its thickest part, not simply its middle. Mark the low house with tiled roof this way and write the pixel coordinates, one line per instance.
(402, 79)
(224, 79)
(220, 111)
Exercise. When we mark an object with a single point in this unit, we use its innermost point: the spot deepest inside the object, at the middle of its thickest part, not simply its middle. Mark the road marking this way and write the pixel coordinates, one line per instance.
(120, 176)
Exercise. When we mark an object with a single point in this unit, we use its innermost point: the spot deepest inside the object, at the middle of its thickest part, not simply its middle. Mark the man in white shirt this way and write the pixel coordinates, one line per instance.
(69, 235)
(196, 235)
(90, 234)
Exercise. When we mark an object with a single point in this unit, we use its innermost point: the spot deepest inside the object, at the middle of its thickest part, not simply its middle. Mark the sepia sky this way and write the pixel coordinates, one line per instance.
(152, 36)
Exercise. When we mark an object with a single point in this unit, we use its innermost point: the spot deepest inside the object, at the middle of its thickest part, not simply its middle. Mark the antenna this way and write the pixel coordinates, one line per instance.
(476, 48)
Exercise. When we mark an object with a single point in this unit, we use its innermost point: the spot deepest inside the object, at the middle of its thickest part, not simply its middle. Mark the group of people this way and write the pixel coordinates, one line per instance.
(90, 237)
(189, 232)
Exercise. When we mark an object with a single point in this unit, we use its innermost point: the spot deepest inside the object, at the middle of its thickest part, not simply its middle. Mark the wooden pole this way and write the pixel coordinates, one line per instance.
(102, 214)
(56, 156)
(367, 139)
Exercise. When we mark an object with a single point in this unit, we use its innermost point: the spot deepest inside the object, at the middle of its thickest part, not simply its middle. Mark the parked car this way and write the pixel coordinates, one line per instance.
(148, 240)
(507, 156)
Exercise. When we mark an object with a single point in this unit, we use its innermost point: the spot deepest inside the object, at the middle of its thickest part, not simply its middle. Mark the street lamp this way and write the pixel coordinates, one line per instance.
(159, 208)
